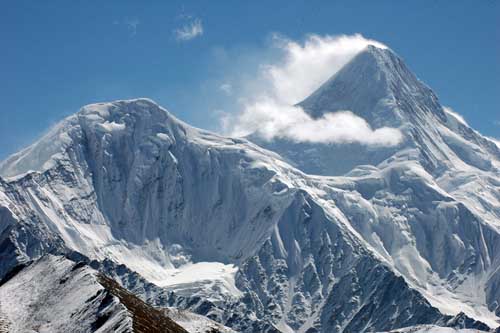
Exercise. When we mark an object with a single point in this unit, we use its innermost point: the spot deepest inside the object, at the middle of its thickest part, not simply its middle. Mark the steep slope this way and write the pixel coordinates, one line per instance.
(55, 294)
(136, 192)
(229, 230)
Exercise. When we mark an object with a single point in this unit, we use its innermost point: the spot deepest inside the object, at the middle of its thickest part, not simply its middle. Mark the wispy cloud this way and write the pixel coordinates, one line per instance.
(130, 23)
(226, 88)
(271, 110)
(189, 30)
(305, 66)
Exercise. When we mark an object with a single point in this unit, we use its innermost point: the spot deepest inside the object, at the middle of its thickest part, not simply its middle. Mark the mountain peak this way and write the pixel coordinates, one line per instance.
(118, 104)
(138, 108)
(141, 120)
(377, 86)
(378, 52)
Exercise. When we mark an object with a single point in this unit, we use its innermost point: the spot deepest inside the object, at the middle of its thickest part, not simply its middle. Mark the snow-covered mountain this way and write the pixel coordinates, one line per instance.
(440, 151)
(362, 239)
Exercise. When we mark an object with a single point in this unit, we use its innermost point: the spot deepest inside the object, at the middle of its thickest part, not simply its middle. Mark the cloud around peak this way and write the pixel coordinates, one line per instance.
(270, 111)
(270, 120)
(307, 65)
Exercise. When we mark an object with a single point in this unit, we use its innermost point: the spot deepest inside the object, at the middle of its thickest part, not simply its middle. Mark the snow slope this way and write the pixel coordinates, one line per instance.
(195, 323)
(433, 329)
(55, 294)
(232, 231)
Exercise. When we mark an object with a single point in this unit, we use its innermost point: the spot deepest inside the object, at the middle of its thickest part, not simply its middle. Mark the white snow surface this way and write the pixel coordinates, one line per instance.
(211, 275)
(194, 323)
(37, 300)
(433, 329)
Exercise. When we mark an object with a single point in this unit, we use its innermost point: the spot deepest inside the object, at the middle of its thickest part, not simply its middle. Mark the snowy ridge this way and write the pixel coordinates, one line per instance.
(42, 297)
(400, 239)
(55, 294)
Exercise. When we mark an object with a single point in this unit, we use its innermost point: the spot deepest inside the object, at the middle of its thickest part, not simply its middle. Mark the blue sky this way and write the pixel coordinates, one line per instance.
(59, 55)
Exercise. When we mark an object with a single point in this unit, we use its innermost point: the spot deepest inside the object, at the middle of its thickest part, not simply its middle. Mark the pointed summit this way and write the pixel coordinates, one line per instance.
(377, 86)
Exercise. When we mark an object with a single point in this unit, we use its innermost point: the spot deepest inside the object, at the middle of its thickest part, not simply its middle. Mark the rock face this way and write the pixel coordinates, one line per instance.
(408, 235)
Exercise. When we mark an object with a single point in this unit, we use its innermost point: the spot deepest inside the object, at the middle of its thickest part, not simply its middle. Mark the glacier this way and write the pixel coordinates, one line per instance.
(273, 236)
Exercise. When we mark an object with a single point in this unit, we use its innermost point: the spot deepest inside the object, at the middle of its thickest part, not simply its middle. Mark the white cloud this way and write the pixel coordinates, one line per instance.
(227, 88)
(457, 116)
(303, 67)
(272, 120)
(189, 30)
(306, 66)
(225, 120)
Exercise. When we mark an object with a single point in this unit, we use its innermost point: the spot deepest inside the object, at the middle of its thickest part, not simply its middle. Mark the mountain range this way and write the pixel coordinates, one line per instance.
(207, 232)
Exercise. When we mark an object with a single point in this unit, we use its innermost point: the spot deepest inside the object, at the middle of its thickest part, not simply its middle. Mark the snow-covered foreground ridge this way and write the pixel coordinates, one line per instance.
(409, 235)
(55, 294)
